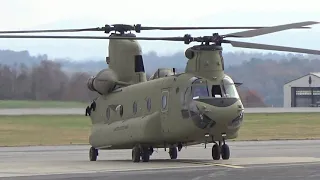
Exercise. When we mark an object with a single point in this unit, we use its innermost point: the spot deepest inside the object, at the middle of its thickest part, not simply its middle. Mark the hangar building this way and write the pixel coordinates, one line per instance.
(303, 91)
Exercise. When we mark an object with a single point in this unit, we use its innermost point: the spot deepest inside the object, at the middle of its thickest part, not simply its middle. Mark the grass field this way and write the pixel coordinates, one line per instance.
(39, 104)
(59, 130)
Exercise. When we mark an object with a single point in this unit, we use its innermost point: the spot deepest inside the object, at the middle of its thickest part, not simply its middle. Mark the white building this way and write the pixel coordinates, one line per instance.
(302, 92)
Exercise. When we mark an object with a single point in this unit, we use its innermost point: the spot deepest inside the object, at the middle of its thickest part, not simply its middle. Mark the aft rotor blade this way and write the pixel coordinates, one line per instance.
(271, 47)
(90, 37)
(51, 30)
(128, 27)
(268, 30)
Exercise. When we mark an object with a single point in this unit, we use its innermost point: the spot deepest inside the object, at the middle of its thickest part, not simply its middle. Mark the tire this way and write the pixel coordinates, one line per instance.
(173, 152)
(145, 157)
(93, 153)
(216, 151)
(136, 154)
(225, 152)
(145, 154)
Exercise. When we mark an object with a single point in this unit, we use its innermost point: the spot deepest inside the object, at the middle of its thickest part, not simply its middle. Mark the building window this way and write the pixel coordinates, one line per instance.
(134, 107)
(149, 104)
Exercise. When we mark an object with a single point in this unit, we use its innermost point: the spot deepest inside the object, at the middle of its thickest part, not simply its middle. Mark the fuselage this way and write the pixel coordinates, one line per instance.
(169, 110)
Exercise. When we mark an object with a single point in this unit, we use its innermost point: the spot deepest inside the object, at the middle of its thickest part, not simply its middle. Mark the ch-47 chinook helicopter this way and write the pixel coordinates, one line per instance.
(170, 110)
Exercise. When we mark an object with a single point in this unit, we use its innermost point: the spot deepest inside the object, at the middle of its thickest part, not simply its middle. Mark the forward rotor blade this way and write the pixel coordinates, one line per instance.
(272, 29)
(271, 47)
(199, 28)
(51, 30)
(90, 37)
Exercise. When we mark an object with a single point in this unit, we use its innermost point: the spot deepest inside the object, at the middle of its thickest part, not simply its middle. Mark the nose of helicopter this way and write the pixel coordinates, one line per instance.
(222, 112)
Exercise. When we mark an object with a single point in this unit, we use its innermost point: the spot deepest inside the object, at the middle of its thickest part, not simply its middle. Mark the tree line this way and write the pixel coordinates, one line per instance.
(47, 81)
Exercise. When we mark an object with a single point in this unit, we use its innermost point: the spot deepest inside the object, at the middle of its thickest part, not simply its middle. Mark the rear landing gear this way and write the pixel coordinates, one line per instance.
(141, 153)
(93, 154)
(173, 153)
(136, 154)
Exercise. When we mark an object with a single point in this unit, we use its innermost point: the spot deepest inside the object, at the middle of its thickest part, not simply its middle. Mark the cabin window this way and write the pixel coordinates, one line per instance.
(164, 101)
(149, 104)
(134, 107)
(120, 109)
(108, 113)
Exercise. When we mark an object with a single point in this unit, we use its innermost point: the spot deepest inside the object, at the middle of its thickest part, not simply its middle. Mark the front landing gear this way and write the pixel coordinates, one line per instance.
(225, 152)
(93, 154)
(220, 150)
(216, 151)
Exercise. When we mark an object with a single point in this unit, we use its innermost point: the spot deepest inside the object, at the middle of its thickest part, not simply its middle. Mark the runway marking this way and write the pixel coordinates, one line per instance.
(154, 168)
(214, 164)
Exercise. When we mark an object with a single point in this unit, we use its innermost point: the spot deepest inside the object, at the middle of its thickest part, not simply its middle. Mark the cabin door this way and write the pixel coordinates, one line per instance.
(165, 95)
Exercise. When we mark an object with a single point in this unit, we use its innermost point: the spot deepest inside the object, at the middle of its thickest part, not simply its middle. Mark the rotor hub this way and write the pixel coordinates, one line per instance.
(122, 28)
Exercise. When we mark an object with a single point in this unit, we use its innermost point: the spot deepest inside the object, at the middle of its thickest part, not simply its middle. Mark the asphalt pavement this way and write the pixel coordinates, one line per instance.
(249, 160)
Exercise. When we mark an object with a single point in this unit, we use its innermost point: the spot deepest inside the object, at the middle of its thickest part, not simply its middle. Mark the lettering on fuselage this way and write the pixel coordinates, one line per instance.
(119, 128)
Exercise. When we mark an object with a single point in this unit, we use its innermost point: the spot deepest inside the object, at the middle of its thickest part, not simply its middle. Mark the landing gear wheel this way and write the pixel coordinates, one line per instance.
(173, 153)
(93, 153)
(216, 151)
(145, 155)
(225, 152)
(136, 154)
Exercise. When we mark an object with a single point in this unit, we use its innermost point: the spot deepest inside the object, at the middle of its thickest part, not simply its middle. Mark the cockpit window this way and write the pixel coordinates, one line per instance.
(200, 88)
(229, 88)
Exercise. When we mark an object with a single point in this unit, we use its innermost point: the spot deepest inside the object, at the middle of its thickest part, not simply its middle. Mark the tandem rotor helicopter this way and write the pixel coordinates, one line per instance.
(169, 110)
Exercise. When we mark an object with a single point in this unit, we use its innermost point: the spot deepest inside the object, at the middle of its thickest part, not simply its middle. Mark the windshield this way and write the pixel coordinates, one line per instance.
(199, 88)
(229, 88)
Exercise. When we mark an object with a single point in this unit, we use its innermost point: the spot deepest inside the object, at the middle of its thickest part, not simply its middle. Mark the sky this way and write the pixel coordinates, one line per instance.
(48, 14)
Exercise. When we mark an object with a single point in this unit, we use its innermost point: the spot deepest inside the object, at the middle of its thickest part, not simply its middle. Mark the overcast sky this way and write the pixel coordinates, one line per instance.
(28, 14)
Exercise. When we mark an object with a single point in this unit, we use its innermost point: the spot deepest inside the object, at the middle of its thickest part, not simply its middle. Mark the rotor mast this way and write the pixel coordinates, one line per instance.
(125, 55)
(206, 59)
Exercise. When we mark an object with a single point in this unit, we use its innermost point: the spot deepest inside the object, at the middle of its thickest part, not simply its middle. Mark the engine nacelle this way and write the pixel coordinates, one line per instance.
(104, 82)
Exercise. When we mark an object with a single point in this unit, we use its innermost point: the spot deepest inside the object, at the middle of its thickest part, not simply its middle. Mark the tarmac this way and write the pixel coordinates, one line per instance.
(249, 160)
(294, 160)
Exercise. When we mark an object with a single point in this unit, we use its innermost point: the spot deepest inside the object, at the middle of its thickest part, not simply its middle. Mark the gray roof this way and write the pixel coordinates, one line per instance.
(317, 74)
